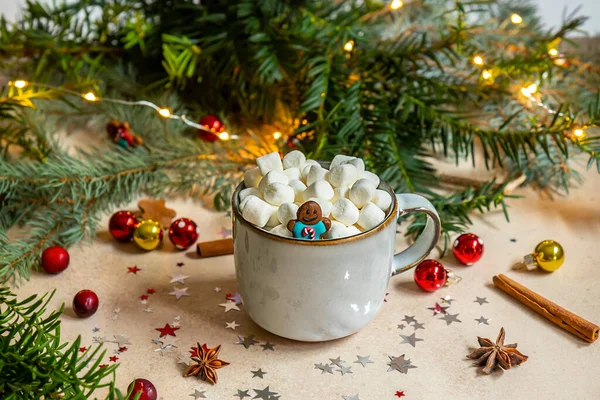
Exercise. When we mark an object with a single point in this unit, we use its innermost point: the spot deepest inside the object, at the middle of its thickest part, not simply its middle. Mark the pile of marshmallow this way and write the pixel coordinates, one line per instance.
(347, 194)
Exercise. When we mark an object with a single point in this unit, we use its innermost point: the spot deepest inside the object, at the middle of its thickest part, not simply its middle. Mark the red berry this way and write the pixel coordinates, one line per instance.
(183, 233)
(122, 225)
(85, 303)
(55, 259)
(143, 386)
(430, 275)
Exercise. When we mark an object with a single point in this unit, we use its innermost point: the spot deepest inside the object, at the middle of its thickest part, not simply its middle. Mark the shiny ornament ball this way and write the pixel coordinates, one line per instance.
(468, 248)
(549, 255)
(144, 387)
(85, 303)
(183, 233)
(122, 225)
(148, 234)
(214, 125)
(430, 275)
(55, 259)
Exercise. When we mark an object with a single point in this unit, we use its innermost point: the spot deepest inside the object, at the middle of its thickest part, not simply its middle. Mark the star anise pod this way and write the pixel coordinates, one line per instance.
(491, 355)
(207, 363)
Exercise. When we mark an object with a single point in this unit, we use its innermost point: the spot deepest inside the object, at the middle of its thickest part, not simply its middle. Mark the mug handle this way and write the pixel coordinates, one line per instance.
(414, 254)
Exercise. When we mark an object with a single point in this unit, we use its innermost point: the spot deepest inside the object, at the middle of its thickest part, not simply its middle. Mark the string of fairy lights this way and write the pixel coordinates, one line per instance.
(527, 91)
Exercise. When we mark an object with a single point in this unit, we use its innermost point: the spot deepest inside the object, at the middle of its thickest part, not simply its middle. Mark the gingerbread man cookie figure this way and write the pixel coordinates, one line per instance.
(310, 223)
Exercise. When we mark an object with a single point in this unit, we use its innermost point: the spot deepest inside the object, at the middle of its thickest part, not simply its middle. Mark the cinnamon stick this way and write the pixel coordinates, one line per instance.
(215, 248)
(563, 318)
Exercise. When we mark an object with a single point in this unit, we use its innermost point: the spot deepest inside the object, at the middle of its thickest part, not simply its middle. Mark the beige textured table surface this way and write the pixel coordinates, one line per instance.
(560, 365)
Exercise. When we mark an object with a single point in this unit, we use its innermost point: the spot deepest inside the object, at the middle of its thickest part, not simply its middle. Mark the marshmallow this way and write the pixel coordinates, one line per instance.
(382, 199)
(294, 159)
(353, 230)
(273, 219)
(343, 175)
(370, 216)
(287, 212)
(361, 192)
(345, 211)
(337, 230)
(249, 191)
(320, 189)
(339, 193)
(272, 177)
(315, 173)
(269, 162)
(370, 176)
(339, 159)
(299, 188)
(306, 168)
(292, 173)
(281, 230)
(326, 206)
(256, 211)
(357, 163)
(278, 193)
(252, 177)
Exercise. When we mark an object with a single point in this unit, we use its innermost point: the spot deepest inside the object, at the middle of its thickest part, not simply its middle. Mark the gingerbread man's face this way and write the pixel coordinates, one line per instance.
(309, 213)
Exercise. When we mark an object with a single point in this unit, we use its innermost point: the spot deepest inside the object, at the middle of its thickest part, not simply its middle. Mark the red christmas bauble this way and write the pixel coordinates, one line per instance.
(468, 248)
(143, 386)
(122, 225)
(214, 125)
(430, 275)
(183, 233)
(55, 259)
(85, 303)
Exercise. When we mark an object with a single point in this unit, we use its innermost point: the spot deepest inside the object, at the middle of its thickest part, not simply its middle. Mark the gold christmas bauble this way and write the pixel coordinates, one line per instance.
(549, 255)
(148, 234)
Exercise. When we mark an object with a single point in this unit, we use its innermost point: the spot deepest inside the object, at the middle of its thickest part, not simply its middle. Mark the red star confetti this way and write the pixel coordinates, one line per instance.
(102, 365)
(151, 291)
(437, 309)
(167, 330)
(113, 358)
(399, 393)
(133, 270)
(82, 349)
(143, 297)
(122, 349)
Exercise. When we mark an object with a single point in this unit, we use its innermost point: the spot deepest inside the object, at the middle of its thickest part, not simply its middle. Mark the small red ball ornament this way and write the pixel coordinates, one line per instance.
(430, 275)
(468, 248)
(183, 233)
(122, 225)
(55, 259)
(144, 387)
(85, 303)
(214, 125)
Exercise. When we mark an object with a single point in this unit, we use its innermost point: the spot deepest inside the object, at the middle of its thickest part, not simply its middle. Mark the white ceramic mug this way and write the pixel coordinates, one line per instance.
(324, 289)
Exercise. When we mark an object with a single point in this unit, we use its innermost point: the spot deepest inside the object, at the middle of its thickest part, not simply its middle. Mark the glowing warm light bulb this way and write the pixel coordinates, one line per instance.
(532, 88)
(486, 74)
(578, 133)
(553, 52)
(478, 60)
(396, 4)
(349, 46)
(276, 135)
(525, 92)
(20, 84)
(164, 112)
(516, 19)
(224, 136)
(89, 96)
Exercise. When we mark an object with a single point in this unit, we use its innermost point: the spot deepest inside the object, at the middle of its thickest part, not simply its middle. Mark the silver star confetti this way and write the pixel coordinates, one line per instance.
(95, 329)
(117, 310)
(268, 346)
(98, 339)
(258, 373)
(481, 300)
(400, 364)
(247, 341)
(437, 309)
(447, 299)
(483, 321)
(218, 289)
(264, 394)
(412, 339)
(409, 319)
(242, 394)
(198, 394)
(115, 317)
(148, 310)
(179, 292)
(231, 325)
(345, 370)
(183, 360)
(401, 326)
(178, 277)
(324, 368)
(417, 326)
(355, 397)
(336, 361)
(450, 318)
(363, 360)
(121, 340)
(229, 306)
(144, 301)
